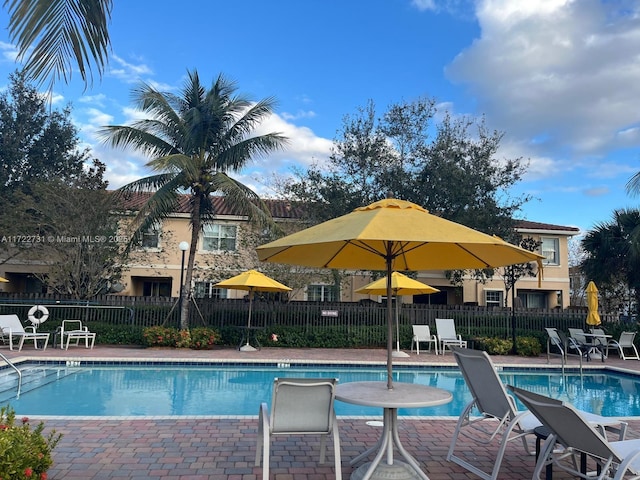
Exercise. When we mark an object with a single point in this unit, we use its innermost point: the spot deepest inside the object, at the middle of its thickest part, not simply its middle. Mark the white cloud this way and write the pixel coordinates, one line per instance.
(8, 51)
(298, 115)
(557, 75)
(424, 4)
(128, 72)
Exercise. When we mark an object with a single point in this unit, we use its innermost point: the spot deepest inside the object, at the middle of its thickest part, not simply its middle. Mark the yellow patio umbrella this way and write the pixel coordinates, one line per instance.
(400, 285)
(593, 318)
(393, 235)
(252, 281)
(3, 280)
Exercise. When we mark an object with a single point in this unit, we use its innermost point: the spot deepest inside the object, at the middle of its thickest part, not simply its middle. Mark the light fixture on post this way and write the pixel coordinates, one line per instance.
(183, 246)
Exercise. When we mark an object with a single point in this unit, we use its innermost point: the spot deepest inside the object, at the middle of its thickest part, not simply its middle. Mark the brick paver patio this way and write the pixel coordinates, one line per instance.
(224, 448)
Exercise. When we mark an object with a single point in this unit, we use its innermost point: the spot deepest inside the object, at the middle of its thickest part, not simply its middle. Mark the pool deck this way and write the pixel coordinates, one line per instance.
(224, 448)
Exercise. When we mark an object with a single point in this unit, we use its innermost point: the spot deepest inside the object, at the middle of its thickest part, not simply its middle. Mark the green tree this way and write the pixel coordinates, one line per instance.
(194, 140)
(455, 174)
(612, 259)
(36, 143)
(57, 36)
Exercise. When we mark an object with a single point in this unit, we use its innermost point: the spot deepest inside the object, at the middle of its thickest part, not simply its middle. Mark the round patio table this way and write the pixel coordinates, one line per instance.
(403, 395)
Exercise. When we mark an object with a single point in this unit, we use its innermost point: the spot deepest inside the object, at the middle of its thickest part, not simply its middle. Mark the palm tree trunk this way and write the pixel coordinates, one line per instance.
(195, 232)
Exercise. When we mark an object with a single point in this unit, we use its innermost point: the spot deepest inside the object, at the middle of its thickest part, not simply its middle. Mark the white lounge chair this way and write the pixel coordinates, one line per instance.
(499, 417)
(625, 341)
(12, 330)
(572, 430)
(299, 406)
(422, 333)
(74, 330)
(447, 336)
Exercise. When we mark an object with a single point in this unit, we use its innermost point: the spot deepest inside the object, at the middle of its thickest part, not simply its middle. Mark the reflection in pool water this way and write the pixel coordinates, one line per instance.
(213, 390)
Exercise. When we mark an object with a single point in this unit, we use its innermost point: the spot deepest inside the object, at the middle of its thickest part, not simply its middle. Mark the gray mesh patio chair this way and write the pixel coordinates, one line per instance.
(624, 342)
(422, 334)
(447, 335)
(299, 406)
(577, 436)
(499, 417)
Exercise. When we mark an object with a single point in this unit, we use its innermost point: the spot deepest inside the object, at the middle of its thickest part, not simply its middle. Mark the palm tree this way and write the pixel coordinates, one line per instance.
(54, 34)
(194, 139)
(613, 252)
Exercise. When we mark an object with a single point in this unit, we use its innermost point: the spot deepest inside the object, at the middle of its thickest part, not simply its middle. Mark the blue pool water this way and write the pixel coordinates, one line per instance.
(231, 390)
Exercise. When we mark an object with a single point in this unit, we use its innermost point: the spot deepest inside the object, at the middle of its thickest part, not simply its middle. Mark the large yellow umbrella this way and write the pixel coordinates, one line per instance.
(593, 318)
(393, 235)
(400, 285)
(252, 280)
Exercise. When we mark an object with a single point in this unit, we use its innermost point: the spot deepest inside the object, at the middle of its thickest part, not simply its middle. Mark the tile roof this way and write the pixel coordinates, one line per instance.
(284, 209)
(278, 208)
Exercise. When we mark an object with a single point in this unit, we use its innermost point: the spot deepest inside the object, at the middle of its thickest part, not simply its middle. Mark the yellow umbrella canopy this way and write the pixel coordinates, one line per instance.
(400, 285)
(393, 235)
(252, 280)
(3, 280)
(593, 318)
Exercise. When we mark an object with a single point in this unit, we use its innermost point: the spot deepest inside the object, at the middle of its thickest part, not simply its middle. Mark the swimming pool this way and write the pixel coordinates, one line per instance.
(232, 390)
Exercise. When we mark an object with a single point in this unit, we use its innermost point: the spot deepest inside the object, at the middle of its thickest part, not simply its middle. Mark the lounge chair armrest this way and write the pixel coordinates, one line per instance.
(30, 329)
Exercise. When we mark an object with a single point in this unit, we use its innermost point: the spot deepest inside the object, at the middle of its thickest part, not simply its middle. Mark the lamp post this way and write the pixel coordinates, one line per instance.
(183, 246)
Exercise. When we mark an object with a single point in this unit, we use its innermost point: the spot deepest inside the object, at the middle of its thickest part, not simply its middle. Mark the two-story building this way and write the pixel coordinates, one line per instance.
(226, 247)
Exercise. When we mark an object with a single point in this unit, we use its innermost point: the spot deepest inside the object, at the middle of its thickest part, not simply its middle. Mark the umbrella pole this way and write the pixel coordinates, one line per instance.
(389, 322)
(248, 347)
(397, 352)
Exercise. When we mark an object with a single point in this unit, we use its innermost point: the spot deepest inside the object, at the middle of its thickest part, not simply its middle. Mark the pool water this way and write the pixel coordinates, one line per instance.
(219, 390)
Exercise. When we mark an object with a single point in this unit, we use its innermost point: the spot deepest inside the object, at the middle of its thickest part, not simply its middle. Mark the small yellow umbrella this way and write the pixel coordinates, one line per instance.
(400, 285)
(593, 318)
(393, 235)
(252, 280)
(3, 280)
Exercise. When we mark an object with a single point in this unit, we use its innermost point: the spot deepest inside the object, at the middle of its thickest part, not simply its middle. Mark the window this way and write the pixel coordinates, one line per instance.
(207, 290)
(321, 293)
(150, 238)
(493, 298)
(551, 251)
(160, 288)
(533, 299)
(218, 237)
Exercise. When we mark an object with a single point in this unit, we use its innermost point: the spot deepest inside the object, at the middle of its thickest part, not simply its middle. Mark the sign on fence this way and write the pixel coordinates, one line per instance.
(329, 313)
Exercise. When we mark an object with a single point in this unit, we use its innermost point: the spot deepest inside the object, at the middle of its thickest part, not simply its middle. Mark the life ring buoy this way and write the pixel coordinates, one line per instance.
(38, 314)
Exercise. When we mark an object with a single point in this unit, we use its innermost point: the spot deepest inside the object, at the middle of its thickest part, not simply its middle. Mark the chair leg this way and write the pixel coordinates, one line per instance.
(336, 452)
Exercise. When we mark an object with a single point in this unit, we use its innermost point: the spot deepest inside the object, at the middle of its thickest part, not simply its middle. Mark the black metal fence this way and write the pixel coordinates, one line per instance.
(121, 315)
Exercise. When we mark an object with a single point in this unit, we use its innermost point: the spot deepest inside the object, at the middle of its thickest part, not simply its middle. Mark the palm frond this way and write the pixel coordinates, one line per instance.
(236, 156)
(242, 199)
(51, 34)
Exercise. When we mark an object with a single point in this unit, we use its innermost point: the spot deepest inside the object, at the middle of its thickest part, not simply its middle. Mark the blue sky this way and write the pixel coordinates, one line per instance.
(560, 78)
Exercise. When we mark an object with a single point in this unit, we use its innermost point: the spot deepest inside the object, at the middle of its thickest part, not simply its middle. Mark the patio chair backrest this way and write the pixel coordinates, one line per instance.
(484, 383)
(421, 333)
(601, 338)
(302, 405)
(571, 429)
(626, 339)
(11, 322)
(446, 328)
(578, 335)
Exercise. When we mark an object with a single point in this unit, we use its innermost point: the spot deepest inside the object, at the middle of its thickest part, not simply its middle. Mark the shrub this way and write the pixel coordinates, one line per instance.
(160, 336)
(196, 338)
(494, 346)
(202, 338)
(528, 346)
(24, 453)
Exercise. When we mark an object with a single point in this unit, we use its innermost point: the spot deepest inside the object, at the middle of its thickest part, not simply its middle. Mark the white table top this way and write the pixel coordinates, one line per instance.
(588, 334)
(403, 395)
